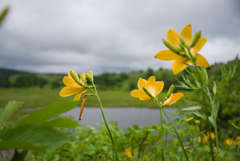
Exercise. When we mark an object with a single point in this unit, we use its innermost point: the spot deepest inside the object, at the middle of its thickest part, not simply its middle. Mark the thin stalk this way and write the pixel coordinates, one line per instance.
(216, 133)
(104, 119)
(204, 101)
(161, 124)
(177, 136)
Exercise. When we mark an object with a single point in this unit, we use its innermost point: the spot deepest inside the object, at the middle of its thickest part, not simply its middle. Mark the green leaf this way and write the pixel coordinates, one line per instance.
(95, 158)
(48, 112)
(176, 121)
(11, 144)
(11, 107)
(5, 130)
(64, 122)
(194, 108)
(199, 115)
(38, 135)
(214, 88)
(19, 156)
(211, 120)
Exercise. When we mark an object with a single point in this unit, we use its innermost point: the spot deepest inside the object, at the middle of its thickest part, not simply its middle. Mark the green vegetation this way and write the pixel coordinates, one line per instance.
(38, 96)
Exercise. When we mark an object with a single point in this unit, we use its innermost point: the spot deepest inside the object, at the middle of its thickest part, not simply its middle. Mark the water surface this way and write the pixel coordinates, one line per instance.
(125, 116)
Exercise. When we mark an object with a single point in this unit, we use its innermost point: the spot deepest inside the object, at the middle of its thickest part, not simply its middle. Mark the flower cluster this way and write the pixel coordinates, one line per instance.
(180, 47)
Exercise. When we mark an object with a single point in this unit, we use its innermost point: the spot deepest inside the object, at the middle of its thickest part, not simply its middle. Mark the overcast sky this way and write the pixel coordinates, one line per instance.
(53, 36)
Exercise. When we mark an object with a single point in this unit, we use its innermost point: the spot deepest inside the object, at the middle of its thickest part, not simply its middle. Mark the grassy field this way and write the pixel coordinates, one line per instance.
(37, 97)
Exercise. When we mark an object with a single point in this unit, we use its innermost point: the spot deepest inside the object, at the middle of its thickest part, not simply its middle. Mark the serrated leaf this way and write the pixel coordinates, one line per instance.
(62, 122)
(194, 108)
(38, 135)
(48, 112)
(11, 144)
(11, 107)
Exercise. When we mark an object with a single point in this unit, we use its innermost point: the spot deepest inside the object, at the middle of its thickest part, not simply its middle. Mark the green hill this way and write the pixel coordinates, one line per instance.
(105, 81)
(10, 72)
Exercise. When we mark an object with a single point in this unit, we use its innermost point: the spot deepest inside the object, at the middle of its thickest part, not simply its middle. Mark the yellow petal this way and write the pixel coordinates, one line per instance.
(187, 34)
(140, 94)
(173, 37)
(68, 81)
(159, 87)
(128, 152)
(78, 95)
(141, 83)
(167, 55)
(151, 81)
(201, 42)
(173, 98)
(201, 61)
(151, 85)
(189, 119)
(67, 91)
(144, 99)
(179, 65)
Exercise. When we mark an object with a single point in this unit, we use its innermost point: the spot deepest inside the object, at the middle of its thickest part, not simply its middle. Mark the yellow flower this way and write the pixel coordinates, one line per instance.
(199, 139)
(206, 136)
(128, 152)
(197, 122)
(189, 119)
(190, 150)
(228, 141)
(153, 86)
(173, 98)
(72, 87)
(181, 62)
(238, 140)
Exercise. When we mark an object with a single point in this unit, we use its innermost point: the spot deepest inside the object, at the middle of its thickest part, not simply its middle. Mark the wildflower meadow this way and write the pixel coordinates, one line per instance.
(194, 136)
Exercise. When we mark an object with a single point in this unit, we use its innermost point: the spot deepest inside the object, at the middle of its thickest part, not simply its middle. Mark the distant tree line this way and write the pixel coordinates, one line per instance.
(110, 80)
(23, 80)
(107, 81)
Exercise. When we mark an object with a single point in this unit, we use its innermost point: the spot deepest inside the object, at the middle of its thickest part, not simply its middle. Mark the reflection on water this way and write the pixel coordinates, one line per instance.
(125, 116)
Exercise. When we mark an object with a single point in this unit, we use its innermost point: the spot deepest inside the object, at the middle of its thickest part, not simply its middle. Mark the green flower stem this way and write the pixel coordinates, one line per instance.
(104, 119)
(216, 133)
(177, 136)
(204, 101)
(161, 123)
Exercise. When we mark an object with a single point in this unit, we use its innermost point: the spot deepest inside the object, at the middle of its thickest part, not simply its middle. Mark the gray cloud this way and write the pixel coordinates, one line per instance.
(110, 36)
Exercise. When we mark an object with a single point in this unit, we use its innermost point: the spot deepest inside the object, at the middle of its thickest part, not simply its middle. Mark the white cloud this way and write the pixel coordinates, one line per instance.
(110, 36)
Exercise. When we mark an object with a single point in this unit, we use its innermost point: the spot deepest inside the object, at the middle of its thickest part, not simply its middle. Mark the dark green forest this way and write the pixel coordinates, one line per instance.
(105, 81)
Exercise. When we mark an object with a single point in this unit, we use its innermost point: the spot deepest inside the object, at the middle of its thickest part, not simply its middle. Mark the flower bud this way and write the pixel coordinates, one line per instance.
(171, 46)
(181, 46)
(147, 92)
(235, 126)
(88, 77)
(83, 78)
(183, 41)
(75, 77)
(91, 74)
(3, 14)
(170, 91)
(196, 38)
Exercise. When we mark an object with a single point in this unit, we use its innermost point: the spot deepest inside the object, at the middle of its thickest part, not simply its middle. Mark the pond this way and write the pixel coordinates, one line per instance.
(125, 116)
